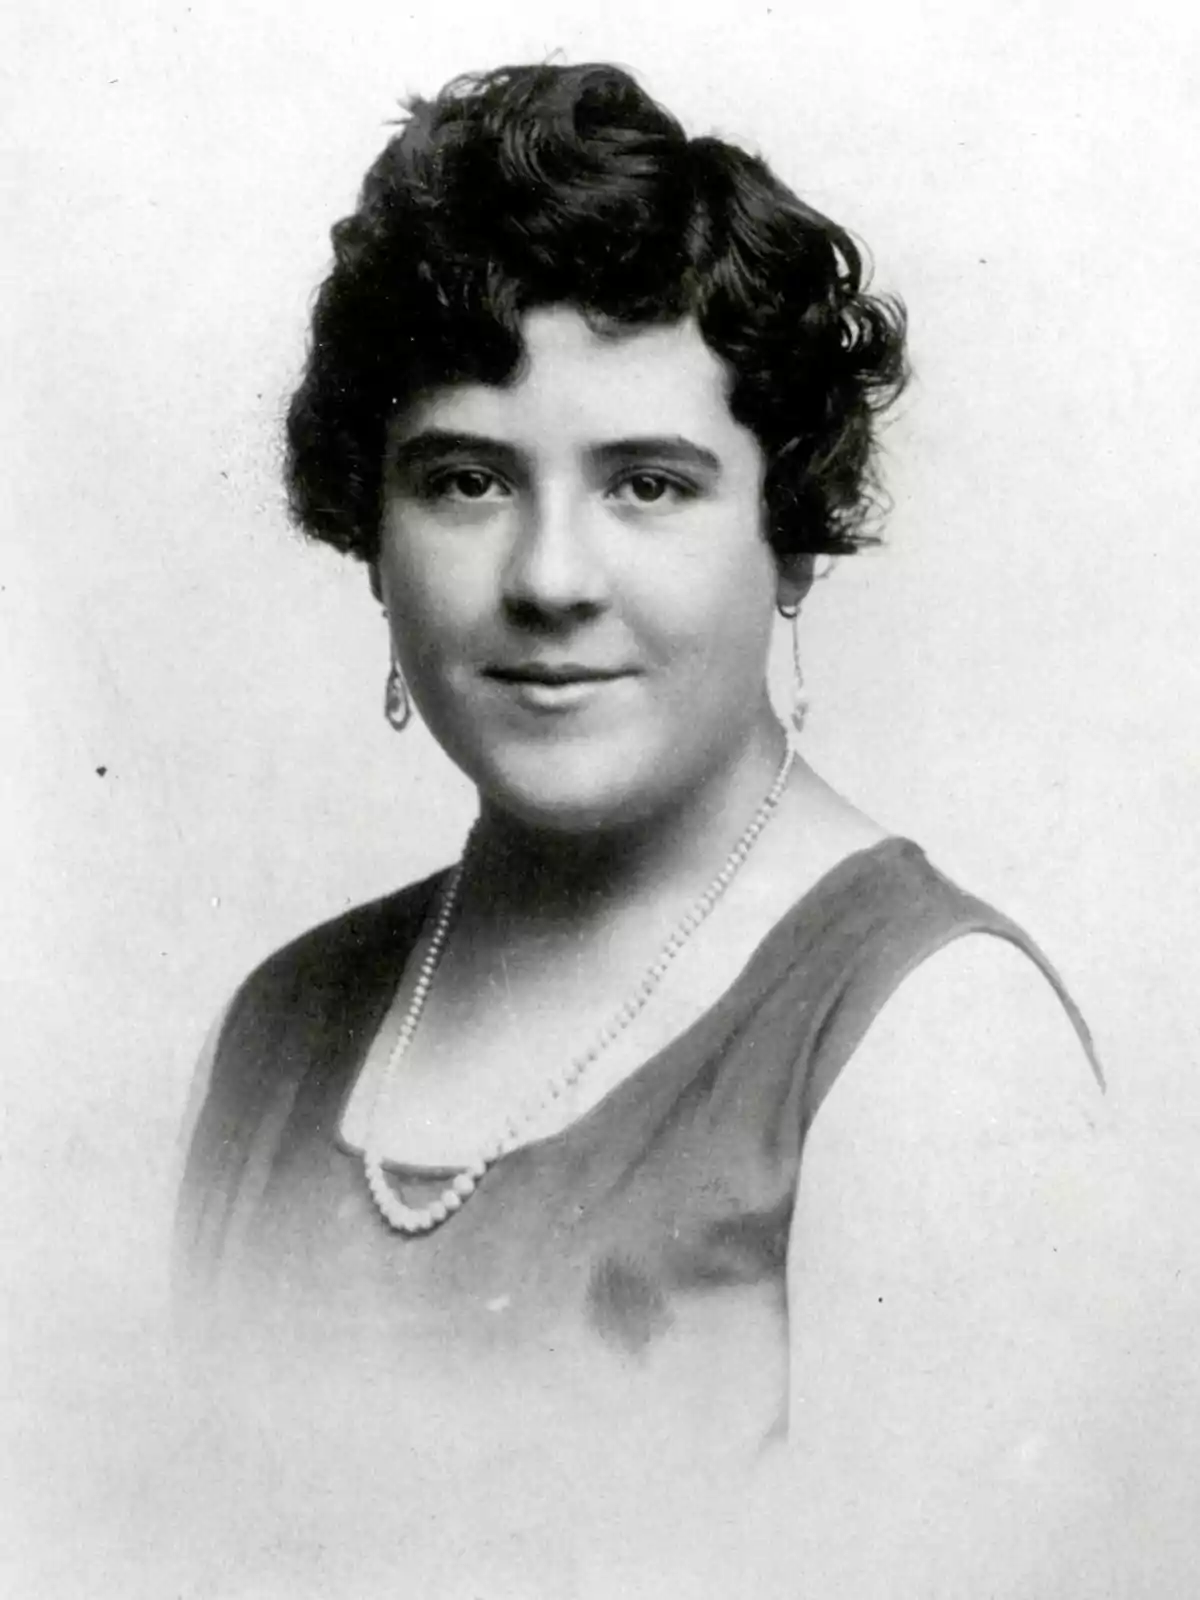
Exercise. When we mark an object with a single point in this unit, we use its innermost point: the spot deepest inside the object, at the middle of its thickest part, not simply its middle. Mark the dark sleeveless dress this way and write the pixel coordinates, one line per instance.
(651, 1234)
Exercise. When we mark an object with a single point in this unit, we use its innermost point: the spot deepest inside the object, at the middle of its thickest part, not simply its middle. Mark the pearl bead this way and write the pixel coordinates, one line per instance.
(405, 1219)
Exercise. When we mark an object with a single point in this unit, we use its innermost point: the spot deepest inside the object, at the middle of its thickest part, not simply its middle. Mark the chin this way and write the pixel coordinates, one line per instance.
(558, 794)
(568, 814)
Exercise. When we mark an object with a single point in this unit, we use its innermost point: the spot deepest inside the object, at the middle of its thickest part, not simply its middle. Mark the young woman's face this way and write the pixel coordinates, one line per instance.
(581, 597)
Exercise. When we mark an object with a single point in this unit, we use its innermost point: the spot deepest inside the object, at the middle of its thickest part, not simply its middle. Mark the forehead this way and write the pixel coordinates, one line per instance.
(579, 386)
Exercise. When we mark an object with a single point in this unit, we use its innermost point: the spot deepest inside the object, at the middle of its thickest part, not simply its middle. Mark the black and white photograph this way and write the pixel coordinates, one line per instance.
(598, 622)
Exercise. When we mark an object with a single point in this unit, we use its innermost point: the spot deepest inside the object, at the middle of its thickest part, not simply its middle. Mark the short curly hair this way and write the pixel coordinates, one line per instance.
(539, 185)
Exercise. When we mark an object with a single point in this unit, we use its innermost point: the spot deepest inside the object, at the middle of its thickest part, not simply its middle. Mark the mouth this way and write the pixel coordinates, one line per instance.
(557, 675)
(557, 686)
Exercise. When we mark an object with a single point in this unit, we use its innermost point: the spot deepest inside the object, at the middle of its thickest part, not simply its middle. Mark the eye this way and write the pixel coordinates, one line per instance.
(652, 488)
(464, 484)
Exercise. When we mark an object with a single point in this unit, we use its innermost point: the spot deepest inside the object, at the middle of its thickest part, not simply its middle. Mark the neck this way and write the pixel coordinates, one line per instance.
(521, 873)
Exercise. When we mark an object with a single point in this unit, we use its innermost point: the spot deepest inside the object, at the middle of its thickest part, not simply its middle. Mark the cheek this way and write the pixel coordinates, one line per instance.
(715, 606)
(431, 598)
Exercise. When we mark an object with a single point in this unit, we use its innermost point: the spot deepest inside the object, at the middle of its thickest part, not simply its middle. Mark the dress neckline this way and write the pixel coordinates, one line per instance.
(756, 973)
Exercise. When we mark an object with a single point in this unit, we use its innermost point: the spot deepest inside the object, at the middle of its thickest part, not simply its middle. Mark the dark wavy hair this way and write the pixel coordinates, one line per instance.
(540, 185)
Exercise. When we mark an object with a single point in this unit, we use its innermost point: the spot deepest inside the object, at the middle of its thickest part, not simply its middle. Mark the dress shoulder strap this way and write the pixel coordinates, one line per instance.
(882, 923)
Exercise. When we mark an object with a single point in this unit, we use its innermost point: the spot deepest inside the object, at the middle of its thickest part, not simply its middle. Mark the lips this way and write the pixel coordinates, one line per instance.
(555, 674)
(555, 688)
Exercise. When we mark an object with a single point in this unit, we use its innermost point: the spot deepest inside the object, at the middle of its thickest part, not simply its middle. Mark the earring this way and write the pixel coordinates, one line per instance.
(397, 707)
(799, 698)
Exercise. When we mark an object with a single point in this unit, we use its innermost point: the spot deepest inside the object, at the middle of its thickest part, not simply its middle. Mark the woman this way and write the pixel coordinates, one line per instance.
(589, 399)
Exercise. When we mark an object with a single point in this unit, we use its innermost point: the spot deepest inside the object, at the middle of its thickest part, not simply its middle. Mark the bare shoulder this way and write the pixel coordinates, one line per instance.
(948, 1274)
(969, 1117)
(976, 1039)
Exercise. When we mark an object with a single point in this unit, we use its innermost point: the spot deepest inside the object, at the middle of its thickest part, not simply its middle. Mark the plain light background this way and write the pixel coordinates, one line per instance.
(194, 763)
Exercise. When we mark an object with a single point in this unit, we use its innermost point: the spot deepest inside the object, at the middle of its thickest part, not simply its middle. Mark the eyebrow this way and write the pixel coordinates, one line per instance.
(671, 448)
(441, 444)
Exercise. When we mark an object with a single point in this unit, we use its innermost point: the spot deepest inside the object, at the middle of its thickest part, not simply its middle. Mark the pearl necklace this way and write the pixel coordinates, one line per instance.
(422, 1219)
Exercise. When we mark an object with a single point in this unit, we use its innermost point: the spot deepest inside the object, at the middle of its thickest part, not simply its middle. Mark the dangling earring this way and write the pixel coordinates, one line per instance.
(799, 698)
(397, 707)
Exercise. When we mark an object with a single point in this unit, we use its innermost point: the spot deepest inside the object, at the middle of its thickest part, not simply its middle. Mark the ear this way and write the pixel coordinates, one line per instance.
(796, 576)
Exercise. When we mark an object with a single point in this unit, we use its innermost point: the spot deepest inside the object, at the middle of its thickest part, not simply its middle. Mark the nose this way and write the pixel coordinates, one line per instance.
(554, 572)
